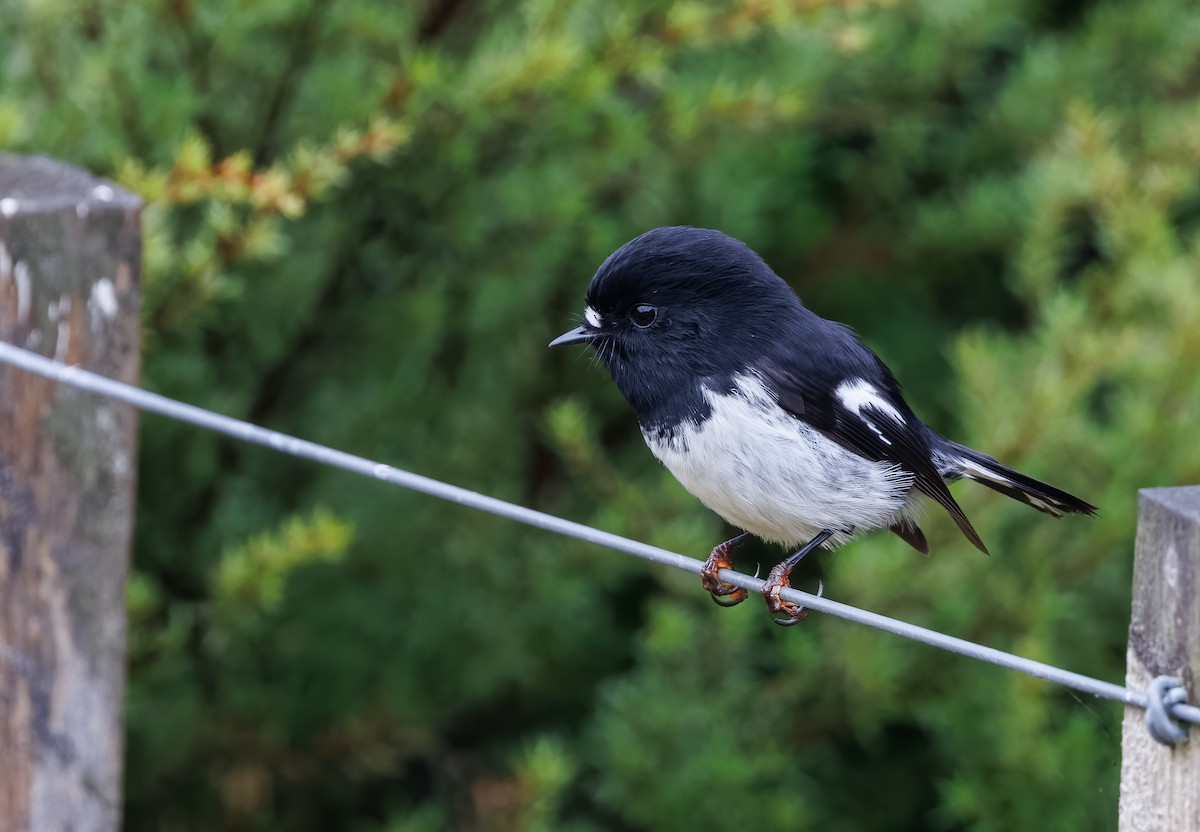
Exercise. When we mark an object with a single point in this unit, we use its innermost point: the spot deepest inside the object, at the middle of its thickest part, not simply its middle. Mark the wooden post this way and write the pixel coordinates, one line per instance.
(1160, 786)
(70, 248)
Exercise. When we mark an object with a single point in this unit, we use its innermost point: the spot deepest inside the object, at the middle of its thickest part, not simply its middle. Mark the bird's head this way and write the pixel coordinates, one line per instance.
(680, 304)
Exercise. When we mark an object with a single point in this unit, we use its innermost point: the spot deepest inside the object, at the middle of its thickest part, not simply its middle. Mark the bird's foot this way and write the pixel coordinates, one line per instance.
(792, 613)
(723, 594)
(778, 579)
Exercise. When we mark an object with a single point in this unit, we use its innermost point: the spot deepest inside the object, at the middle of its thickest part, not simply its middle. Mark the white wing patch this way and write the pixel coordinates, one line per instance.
(876, 430)
(859, 393)
(592, 317)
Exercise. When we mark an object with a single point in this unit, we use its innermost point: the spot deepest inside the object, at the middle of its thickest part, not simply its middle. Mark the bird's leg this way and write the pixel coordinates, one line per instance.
(725, 595)
(778, 579)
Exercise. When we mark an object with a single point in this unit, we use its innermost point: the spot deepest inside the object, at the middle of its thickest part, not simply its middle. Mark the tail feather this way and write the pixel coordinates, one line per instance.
(1042, 496)
(911, 533)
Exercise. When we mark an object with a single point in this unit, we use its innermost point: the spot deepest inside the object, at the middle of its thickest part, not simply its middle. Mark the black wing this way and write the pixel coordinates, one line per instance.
(879, 426)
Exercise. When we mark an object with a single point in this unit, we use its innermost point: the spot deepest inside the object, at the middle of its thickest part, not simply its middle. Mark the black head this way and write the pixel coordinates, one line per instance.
(680, 306)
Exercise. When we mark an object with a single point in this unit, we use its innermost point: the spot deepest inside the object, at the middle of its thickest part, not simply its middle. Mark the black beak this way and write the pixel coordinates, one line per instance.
(579, 335)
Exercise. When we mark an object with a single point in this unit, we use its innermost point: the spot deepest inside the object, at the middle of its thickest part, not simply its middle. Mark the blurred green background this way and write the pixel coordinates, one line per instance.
(365, 221)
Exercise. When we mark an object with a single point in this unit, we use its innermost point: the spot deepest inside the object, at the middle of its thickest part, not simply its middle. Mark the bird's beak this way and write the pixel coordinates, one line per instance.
(579, 335)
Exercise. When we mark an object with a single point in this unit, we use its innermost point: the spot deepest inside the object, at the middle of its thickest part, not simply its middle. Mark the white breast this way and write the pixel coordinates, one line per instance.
(769, 473)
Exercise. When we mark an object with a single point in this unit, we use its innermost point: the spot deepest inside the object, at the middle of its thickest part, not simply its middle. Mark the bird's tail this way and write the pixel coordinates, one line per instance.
(1042, 496)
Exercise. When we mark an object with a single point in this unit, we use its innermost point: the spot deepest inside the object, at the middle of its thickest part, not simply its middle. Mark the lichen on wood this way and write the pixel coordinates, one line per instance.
(70, 247)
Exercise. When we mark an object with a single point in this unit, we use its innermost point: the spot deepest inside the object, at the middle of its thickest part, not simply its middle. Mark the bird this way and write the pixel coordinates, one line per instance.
(780, 421)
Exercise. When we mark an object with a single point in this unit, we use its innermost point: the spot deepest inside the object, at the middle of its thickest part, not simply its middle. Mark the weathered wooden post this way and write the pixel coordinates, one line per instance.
(1160, 785)
(70, 248)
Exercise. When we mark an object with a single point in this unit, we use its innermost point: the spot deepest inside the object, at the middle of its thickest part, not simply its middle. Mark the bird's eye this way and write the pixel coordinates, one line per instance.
(643, 315)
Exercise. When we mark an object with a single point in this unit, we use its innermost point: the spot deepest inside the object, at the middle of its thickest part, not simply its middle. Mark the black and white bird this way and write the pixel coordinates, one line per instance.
(780, 421)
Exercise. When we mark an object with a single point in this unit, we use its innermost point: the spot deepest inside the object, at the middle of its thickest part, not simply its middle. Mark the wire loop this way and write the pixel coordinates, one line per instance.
(1162, 696)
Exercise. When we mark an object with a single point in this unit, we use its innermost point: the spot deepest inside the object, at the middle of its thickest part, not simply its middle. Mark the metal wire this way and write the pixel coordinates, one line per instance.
(283, 443)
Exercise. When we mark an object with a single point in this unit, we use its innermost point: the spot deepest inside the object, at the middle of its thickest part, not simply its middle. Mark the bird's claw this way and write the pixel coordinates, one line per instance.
(795, 613)
(723, 594)
(728, 595)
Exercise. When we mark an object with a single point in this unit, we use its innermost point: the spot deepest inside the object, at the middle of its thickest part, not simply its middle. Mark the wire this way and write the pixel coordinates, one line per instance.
(293, 446)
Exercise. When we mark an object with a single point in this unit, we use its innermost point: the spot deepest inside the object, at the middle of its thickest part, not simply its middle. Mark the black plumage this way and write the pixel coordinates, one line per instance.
(730, 374)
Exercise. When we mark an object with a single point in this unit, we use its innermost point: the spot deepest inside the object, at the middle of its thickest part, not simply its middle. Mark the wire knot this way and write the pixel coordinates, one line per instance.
(1163, 694)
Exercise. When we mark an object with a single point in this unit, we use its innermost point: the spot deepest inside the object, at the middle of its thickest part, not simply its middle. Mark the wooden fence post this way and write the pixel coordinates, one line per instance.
(1160, 786)
(70, 249)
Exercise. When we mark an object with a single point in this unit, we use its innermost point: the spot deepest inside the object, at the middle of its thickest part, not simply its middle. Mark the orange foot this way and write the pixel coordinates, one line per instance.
(723, 594)
(778, 579)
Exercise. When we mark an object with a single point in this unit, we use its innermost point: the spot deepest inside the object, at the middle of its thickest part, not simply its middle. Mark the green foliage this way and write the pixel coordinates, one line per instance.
(255, 573)
(366, 220)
